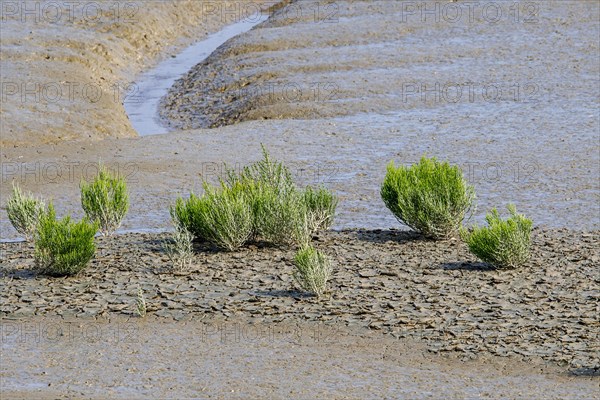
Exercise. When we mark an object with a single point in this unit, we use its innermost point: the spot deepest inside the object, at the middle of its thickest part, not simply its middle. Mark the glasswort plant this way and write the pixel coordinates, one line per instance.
(503, 243)
(105, 200)
(179, 247)
(24, 211)
(63, 247)
(262, 202)
(313, 270)
(430, 197)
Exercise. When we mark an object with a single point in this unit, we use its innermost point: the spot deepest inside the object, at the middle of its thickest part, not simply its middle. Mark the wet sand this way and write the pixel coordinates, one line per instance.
(347, 155)
(212, 359)
(378, 57)
(540, 152)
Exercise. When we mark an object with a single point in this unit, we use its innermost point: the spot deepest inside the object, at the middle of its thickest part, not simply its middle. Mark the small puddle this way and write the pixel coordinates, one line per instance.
(142, 106)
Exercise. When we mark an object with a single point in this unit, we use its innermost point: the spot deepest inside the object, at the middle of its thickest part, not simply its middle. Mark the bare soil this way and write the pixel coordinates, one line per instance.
(390, 281)
(212, 359)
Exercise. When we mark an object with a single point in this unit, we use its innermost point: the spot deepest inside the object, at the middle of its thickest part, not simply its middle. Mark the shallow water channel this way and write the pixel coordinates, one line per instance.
(142, 104)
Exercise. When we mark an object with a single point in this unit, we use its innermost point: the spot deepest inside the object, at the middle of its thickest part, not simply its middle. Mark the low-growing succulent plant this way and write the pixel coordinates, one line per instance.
(105, 200)
(313, 270)
(24, 211)
(430, 197)
(261, 203)
(63, 247)
(503, 243)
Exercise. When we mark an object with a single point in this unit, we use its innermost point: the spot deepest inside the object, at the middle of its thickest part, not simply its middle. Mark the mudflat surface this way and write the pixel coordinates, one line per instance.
(511, 95)
(521, 68)
(536, 146)
(335, 90)
(347, 155)
(389, 281)
(239, 359)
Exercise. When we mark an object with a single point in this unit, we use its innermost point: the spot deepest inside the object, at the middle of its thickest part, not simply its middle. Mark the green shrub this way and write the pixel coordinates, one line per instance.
(179, 248)
(321, 205)
(313, 270)
(430, 197)
(221, 216)
(105, 200)
(279, 217)
(275, 201)
(24, 211)
(503, 243)
(267, 172)
(283, 214)
(63, 247)
(228, 216)
(265, 193)
(189, 214)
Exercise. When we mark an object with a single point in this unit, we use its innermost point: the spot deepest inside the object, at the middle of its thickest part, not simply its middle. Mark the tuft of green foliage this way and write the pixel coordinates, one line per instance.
(179, 248)
(430, 197)
(105, 200)
(188, 214)
(321, 205)
(63, 247)
(278, 216)
(276, 206)
(283, 214)
(140, 303)
(263, 193)
(267, 172)
(227, 216)
(313, 270)
(24, 211)
(221, 216)
(503, 243)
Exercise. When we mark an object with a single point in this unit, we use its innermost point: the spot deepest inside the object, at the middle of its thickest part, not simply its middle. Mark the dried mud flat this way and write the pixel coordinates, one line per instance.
(388, 281)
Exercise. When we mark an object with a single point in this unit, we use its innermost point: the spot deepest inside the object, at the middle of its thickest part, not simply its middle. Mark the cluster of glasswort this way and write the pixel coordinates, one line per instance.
(261, 203)
(434, 199)
(65, 247)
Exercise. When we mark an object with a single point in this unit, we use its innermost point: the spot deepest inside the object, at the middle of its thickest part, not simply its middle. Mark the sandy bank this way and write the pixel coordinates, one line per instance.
(66, 68)
(316, 60)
